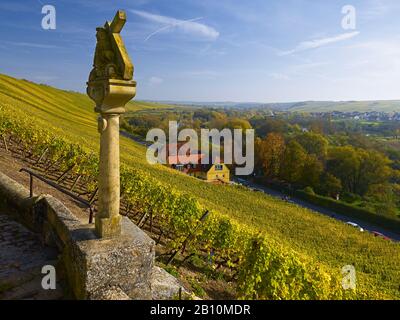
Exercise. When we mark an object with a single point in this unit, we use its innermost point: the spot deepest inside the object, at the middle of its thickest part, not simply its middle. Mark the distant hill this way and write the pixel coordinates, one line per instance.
(305, 106)
(349, 106)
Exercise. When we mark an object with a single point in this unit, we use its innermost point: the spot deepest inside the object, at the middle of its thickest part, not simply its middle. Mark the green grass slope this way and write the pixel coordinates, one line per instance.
(328, 241)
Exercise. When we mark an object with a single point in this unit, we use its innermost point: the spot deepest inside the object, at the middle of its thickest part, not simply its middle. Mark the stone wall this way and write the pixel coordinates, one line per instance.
(94, 268)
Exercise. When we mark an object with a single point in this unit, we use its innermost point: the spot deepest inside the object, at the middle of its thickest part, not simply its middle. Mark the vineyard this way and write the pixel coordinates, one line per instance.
(271, 249)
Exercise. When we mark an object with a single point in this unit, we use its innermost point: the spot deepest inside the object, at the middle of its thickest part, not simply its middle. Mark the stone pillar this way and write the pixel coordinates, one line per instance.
(111, 87)
(108, 219)
(111, 96)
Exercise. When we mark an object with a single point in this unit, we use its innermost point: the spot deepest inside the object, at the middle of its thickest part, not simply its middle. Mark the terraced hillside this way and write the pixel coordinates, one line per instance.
(322, 239)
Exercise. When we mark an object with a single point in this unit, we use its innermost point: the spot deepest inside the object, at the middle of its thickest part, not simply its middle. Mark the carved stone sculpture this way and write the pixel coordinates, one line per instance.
(110, 86)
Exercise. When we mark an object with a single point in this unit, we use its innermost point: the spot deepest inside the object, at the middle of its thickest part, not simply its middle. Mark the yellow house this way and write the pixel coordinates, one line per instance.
(210, 173)
(218, 172)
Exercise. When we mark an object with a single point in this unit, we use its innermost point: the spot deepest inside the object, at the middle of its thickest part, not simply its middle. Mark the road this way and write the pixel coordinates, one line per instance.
(134, 138)
(365, 225)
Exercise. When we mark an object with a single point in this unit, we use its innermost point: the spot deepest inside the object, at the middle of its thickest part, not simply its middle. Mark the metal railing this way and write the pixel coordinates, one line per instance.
(59, 188)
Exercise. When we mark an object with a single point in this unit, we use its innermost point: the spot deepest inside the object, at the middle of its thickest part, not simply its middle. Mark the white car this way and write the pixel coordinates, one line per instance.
(355, 225)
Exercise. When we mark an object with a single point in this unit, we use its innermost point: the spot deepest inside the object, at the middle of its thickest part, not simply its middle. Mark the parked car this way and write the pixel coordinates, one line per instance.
(355, 225)
(380, 235)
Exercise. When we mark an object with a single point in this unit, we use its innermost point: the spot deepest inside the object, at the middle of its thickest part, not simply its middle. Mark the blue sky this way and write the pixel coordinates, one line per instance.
(209, 50)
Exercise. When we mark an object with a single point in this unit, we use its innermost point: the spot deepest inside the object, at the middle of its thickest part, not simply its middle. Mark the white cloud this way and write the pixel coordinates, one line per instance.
(317, 43)
(279, 76)
(155, 81)
(32, 45)
(191, 27)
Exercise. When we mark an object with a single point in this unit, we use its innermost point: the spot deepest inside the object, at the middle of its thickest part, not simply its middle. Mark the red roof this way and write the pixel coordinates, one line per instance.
(174, 147)
(185, 159)
(191, 156)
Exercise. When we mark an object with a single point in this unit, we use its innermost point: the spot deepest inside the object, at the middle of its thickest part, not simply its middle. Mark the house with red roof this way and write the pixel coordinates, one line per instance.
(191, 164)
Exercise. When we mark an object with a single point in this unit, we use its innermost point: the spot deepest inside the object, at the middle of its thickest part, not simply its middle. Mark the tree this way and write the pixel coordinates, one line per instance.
(381, 193)
(317, 126)
(312, 171)
(344, 163)
(330, 185)
(264, 126)
(313, 143)
(258, 155)
(218, 121)
(237, 123)
(358, 168)
(396, 176)
(294, 159)
(271, 150)
(374, 169)
(397, 133)
(384, 198)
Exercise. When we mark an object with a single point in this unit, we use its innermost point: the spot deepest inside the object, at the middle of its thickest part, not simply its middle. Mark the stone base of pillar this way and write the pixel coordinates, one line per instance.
(108, 227)
(95, 267)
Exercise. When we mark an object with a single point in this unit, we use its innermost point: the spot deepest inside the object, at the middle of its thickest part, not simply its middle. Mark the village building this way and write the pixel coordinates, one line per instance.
(216, 172)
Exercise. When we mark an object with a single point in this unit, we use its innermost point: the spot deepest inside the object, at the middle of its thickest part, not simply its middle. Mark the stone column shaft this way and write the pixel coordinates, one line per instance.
(108, 219)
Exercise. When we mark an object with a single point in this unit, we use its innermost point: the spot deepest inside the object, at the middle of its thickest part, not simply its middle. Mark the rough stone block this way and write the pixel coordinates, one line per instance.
(115, 268)
(124, 262)
(164, 285)
(113, 293)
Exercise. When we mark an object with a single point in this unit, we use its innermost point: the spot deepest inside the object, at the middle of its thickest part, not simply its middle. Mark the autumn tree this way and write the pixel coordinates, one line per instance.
(258, 155)
(218, 121)
(237, 123)
(344, 163)
(264, 126)
(383, 198)
(312, 171)
(270, 151)
(294, 159)
(374, 169)
(314, 144)
(330, 185)
(358, 168)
